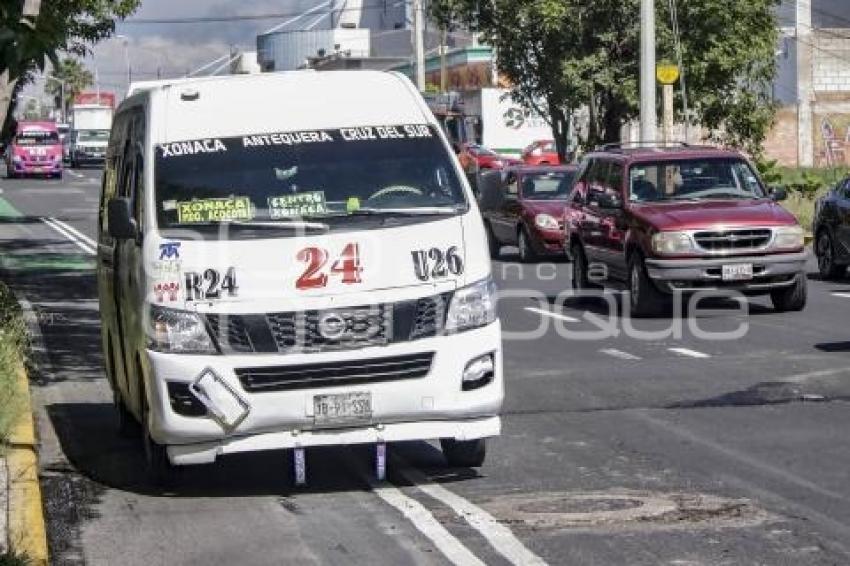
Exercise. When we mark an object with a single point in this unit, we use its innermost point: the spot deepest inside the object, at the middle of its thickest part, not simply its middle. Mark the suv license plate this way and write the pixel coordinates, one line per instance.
(738, 272)
(342, 408)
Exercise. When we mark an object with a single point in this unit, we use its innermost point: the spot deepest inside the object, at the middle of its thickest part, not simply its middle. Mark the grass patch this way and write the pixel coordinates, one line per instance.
(13, 342)
(13, 559)
(802, 205)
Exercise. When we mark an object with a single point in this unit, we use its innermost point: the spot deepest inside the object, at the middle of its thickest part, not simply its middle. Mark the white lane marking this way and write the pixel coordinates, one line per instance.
(689, 353)
(80, 243)
(71, 229)
(425, 523)
(498, 535)
(842, 295)
(619, 354)
(552, 314)
(75, 174)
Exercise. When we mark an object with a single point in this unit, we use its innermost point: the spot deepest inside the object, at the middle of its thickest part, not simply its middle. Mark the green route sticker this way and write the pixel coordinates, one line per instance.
(301, 204)
(214, 210)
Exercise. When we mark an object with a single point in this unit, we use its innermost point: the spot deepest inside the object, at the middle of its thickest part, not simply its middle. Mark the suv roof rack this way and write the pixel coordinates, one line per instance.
(650, 145)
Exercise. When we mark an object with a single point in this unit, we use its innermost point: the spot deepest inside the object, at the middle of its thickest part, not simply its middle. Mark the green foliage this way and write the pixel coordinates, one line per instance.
(13, 344)
(76, 77)
(769, 171)
(585, 53)
(11, 558)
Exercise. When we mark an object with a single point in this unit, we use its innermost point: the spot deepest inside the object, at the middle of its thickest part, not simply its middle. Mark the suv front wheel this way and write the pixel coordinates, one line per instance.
(793, 298)
(645, 298)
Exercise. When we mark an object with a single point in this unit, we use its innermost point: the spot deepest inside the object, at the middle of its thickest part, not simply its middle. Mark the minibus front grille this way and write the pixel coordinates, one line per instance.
(311, 331)
(333, 374)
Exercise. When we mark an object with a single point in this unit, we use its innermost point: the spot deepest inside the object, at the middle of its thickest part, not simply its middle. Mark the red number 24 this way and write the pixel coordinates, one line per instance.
(347, 265)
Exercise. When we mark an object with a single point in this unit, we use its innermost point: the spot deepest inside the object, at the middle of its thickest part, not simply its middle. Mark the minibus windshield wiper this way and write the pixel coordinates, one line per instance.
(261, 225)
(421, 211)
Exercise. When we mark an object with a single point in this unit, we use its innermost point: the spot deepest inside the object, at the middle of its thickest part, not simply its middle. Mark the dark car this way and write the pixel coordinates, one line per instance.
(831, 228)
(682, 219)
(524, 207)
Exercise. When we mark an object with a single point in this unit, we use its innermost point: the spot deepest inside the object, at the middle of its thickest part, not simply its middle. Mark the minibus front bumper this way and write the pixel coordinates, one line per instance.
(432, 404)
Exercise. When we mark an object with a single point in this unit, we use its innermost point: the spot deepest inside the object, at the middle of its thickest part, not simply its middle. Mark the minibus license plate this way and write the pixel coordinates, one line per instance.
(342, 408)
(738, 272)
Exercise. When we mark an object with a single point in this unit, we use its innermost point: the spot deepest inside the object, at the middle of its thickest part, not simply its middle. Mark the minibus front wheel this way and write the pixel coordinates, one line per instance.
(159, 467)
(464, 453)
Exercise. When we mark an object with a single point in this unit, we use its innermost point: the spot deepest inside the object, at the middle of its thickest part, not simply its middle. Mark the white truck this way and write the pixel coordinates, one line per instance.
(488, 117)
(501, 124)
(90, 125)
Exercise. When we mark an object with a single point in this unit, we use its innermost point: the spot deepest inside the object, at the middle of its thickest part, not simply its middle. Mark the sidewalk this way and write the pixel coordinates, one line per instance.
(22, 524)
(22, 519)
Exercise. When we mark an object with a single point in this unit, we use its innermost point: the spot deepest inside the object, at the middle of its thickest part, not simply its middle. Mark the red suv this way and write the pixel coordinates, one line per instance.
(661, 220)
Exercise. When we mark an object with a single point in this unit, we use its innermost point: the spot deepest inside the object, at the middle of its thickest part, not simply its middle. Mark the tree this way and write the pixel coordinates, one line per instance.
(35, 31)
(75, 77)
(585, 53)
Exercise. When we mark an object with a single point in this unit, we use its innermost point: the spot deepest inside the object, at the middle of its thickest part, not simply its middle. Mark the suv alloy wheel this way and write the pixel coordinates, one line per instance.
(793, 298)
(645, 298)
(581, 279)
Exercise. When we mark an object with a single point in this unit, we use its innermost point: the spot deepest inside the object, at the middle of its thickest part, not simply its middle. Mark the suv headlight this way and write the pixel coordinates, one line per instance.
(177, 332)
(472, 307)
(789, 238)
(546, 222)
(672, 243)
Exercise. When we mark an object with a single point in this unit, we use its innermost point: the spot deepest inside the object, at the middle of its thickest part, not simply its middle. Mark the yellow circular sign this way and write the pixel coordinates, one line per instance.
(667, 74)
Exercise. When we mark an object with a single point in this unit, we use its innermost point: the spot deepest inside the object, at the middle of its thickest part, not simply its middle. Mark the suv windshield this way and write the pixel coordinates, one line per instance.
(693, 179)
(551, 185)
(93, 135)
(282, 177)
(37, 138)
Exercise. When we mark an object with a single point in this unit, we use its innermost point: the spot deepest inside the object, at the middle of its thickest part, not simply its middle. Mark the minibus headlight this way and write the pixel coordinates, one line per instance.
(178, 332)
(472, 307)
(17, 158)
(789, 238)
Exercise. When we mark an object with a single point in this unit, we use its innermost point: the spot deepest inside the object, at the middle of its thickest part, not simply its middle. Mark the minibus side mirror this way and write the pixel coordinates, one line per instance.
(119, 216)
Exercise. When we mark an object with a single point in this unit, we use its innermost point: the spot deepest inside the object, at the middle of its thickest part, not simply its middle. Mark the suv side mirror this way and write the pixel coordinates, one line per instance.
(119, 216)
(609, 201)
(778, 193)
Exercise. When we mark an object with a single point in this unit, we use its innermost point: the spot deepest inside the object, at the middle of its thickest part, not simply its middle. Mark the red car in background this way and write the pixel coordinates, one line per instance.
(524, 207)
(543, 152)
(474, 157)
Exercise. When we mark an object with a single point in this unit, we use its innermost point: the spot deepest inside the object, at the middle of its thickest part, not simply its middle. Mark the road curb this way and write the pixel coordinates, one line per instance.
(27, 532)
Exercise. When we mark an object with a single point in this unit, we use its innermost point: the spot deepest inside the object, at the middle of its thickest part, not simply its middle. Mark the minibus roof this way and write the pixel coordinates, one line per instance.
(238, 105)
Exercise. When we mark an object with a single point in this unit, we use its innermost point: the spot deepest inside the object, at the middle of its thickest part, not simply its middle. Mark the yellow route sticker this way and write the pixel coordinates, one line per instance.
(214, 210)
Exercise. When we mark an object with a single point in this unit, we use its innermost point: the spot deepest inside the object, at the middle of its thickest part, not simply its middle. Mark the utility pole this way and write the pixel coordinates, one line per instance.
(419, 44)
(648, 117)
(444, 66)
(805, 92)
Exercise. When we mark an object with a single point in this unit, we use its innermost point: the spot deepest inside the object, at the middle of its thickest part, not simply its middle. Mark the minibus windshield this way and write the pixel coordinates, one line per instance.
(37, 137)
(314, 175)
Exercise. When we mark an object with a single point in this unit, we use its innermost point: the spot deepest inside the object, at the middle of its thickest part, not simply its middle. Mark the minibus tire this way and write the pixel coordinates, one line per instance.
(159, 468)
(128, 426)
(464, 453)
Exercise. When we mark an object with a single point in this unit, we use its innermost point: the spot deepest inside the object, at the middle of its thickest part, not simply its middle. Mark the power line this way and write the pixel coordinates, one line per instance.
(235, 18)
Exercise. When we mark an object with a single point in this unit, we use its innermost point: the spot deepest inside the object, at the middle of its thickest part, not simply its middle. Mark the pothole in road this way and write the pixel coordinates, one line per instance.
(623, 509)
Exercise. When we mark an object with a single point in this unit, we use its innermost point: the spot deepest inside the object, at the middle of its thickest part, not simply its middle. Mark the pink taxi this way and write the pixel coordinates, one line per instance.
(35, 150)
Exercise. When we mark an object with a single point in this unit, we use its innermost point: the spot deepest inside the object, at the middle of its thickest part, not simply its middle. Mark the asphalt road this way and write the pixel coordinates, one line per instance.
(650, 445)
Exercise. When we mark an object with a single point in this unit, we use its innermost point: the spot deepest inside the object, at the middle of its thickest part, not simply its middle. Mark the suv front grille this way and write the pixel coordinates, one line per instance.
(726, 241)
(350, 372)
(301, 331)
